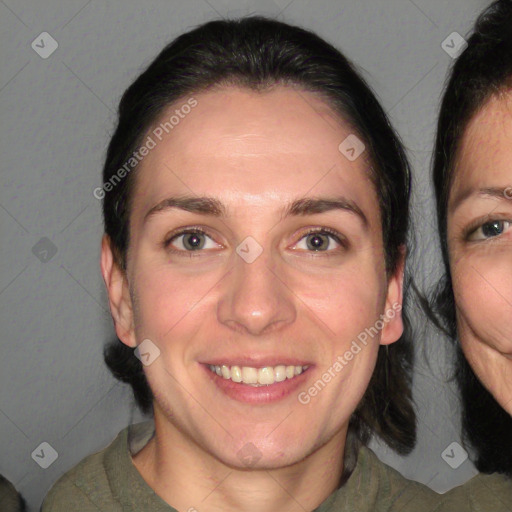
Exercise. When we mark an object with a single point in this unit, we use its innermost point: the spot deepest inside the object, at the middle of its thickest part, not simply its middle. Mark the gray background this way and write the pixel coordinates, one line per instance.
(57, 115)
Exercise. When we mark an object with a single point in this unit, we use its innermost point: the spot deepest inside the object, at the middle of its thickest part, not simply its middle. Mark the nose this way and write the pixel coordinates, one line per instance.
(255, 299)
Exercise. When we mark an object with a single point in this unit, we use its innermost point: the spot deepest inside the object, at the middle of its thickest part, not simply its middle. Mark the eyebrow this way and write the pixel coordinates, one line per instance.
(496, 192)
(300, 207)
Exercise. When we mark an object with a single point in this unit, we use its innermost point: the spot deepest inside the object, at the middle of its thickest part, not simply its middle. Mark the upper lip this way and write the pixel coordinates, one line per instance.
(257, 361)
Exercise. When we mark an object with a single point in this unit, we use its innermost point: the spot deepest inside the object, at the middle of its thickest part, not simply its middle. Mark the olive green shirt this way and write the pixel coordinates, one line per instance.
(10, 500)
(109, 481)
(483, 493)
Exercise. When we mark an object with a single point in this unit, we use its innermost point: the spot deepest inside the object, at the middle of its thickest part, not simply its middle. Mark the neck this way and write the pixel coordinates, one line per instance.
(189, 478)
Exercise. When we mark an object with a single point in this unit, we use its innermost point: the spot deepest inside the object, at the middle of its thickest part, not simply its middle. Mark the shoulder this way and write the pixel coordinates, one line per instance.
(483, 493)
(85, 487)
(10, 499)
(391, 490)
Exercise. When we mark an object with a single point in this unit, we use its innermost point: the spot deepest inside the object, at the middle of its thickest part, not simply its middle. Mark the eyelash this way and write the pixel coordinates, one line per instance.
(338, 238)
(480, 223)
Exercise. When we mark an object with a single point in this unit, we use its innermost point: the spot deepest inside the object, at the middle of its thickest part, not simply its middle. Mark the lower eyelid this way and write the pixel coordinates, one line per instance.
(178, 235)
(471, 232)
(337, 238)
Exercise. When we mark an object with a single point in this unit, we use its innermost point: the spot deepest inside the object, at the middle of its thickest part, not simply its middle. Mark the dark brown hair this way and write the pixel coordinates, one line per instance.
(483, 70)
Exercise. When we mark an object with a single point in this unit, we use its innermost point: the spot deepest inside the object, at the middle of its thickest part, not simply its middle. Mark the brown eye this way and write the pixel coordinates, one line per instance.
(317, 242)
(490, 229)
(191, 241)
(320, 241)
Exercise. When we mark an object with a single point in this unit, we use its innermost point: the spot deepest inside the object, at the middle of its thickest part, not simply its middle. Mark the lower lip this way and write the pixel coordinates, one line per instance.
(258, 394)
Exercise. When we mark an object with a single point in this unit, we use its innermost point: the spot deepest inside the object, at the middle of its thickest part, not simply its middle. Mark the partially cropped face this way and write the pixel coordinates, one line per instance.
(480, 246)
(256, 294)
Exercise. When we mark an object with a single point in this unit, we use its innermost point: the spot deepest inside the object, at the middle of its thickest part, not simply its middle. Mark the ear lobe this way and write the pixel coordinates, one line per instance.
(118, 293)
(393, 322)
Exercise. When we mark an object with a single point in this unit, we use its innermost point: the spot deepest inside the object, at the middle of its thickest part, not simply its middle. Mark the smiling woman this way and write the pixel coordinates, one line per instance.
(243, 257)
(473, 303)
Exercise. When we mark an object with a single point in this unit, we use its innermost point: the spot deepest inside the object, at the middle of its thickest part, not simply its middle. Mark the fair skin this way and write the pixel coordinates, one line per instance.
(480, 245)
(292, 305)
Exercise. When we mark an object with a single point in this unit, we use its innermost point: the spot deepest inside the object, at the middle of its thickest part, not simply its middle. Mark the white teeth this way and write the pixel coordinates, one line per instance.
(266, 376)
(236, 374)
(249, 375)
(225, 371)
(280, 373)
(257, 376)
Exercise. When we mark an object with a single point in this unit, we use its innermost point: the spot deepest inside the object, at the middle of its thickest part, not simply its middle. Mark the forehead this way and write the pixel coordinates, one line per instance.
(485, 154)
(245, 146)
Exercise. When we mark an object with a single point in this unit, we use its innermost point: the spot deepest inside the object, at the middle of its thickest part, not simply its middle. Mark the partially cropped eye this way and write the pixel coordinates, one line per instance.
(490, 229)
(319, 241)
(191, 241)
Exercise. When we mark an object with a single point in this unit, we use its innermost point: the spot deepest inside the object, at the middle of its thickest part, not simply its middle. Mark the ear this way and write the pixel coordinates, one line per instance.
(393, 323)
(118, 293)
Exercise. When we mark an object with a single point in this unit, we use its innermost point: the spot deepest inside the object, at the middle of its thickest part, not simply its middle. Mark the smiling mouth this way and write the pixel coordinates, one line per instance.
(257, 376)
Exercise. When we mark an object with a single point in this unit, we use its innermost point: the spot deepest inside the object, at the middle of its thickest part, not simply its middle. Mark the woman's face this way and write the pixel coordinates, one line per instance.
(249, 286)
(480, 246)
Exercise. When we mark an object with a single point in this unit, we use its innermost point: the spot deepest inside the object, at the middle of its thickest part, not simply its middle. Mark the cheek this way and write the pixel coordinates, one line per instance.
(347, 300)
(483, 293)
(170, 303)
